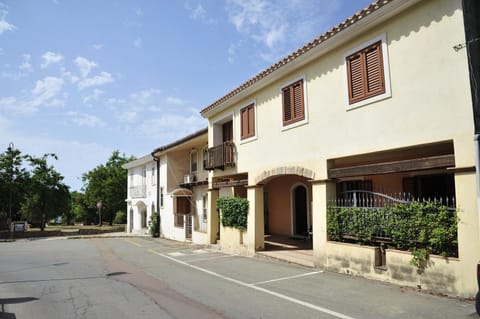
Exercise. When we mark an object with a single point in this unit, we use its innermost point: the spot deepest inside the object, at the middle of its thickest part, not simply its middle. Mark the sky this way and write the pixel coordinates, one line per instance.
(82, 78)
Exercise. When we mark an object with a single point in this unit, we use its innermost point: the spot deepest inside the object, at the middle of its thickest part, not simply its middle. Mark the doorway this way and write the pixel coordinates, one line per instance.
(300, 210)
(131, 220)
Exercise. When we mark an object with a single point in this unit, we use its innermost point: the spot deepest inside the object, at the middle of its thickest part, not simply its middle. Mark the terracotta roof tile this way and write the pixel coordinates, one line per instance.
(304, 49)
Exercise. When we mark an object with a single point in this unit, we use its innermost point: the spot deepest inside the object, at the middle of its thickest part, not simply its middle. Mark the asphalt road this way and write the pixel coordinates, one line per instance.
(155, 278)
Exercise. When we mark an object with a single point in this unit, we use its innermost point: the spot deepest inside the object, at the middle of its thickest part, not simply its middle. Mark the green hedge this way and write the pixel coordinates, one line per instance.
(423, 228)
(234, 211)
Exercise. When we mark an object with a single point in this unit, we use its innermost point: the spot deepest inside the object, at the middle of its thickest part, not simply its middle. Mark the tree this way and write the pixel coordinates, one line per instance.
(48, 197)
(14, 178)
(108, 184)
(79, 209)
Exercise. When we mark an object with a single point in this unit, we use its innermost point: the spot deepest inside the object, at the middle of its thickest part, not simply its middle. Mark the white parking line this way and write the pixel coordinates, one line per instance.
(251, 286)
(210, 258)
(286, 278)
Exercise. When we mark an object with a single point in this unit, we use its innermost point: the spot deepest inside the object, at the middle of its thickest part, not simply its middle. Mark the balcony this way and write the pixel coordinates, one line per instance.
(139, 191)
(219, 156)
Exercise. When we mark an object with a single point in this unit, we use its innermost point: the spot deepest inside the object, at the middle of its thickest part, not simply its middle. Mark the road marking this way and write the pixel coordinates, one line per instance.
(210, 258)
(133, 242)
(176, 254)
(286, 278)
(200, 251)
(251, 286)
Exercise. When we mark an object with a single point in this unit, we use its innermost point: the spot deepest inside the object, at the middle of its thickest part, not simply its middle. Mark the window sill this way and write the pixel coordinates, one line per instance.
(248, 140)
(368, 101)
(293, 125)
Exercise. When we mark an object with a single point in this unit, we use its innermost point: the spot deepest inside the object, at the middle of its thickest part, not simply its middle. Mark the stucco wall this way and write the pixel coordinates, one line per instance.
(430, 102)
(280, 203)
(411, 116)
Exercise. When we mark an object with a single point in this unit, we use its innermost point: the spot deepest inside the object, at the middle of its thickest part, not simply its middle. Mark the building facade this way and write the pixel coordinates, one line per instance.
(379, 104)
(182, 188)
(141, 193)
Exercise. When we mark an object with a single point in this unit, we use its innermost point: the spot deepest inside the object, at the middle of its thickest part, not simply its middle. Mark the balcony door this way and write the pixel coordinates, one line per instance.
(227, 130)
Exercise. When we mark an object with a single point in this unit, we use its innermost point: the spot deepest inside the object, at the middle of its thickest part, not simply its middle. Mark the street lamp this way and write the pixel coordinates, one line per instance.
(99, 207)
(10, 150)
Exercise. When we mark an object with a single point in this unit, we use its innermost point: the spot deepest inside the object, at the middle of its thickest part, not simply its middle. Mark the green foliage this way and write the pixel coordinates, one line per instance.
(234, 211)
(424, 228)
(107, 183)
(47, 197)
(14, 179)
(120, 217)
(154, 223)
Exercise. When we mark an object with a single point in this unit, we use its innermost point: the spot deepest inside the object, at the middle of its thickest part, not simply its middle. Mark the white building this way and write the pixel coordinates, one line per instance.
(141, 193)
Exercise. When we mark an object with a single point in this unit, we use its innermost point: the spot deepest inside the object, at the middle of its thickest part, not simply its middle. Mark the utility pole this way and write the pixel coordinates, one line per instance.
(10, 154)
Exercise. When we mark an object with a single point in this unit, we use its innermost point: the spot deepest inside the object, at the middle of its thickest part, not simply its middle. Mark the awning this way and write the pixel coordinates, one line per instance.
(181, 192)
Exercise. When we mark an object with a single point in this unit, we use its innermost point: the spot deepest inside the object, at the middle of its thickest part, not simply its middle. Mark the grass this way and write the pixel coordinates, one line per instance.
(63, 230)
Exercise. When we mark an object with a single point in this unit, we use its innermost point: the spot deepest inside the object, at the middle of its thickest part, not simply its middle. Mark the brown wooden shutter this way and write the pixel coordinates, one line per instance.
(298, 109)
(244, 124)
(251, 120)
(365, 73)
(355, 77)
(293, 103)
(287, 112)
(374, 70)
(247, 118)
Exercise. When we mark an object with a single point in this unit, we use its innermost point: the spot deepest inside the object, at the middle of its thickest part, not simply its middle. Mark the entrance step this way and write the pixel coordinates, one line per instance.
(298, 257)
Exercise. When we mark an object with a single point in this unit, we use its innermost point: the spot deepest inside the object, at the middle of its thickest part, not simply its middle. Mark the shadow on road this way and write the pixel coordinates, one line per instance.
(9, 301)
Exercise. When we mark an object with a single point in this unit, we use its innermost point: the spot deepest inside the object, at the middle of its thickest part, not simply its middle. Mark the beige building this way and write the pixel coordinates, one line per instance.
(182, 188)
(380, 103)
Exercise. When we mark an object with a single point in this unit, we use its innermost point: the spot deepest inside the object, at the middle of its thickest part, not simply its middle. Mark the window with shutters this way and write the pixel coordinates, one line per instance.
(293, 103)
(367, 73)
(247, 121)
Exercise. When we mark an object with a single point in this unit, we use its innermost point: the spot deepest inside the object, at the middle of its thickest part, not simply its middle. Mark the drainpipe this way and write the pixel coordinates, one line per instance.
(157, 160)
(471, 11)
(476, 139)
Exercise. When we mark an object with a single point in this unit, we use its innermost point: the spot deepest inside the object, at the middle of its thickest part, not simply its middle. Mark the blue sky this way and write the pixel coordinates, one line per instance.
(81, 78)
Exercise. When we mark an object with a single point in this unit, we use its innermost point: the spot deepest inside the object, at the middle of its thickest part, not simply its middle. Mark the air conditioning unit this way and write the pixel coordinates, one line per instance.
(189, 178)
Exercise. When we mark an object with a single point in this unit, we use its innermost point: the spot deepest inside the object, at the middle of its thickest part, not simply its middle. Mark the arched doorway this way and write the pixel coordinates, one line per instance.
(300, 210)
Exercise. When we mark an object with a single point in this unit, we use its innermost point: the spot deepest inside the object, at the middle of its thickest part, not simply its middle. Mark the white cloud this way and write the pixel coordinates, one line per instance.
(97, 80)
(70, 76)
(84, 65)
(87, 120)
(4, 24)
(199, 13)
(279, 24)
(50, 58)
(24, 69)
(175, 100)
(144, 97)
(92, 97)
(47, 92)
(127, 116)
(26, 66)
(171, 126)
(97, 46)
(138, 12)
(137, 42)
(113, 102)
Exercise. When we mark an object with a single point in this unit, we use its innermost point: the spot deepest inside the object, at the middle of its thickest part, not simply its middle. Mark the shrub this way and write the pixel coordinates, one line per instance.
(154, 223)
(120, 217)
(422, 228)
(234, 212)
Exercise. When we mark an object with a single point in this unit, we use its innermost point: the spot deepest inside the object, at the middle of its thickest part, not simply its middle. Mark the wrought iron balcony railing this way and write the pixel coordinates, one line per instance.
(138, 191)
(219, 156)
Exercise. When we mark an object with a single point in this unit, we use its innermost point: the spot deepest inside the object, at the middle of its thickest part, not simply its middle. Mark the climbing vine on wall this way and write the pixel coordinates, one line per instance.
(234, 211)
